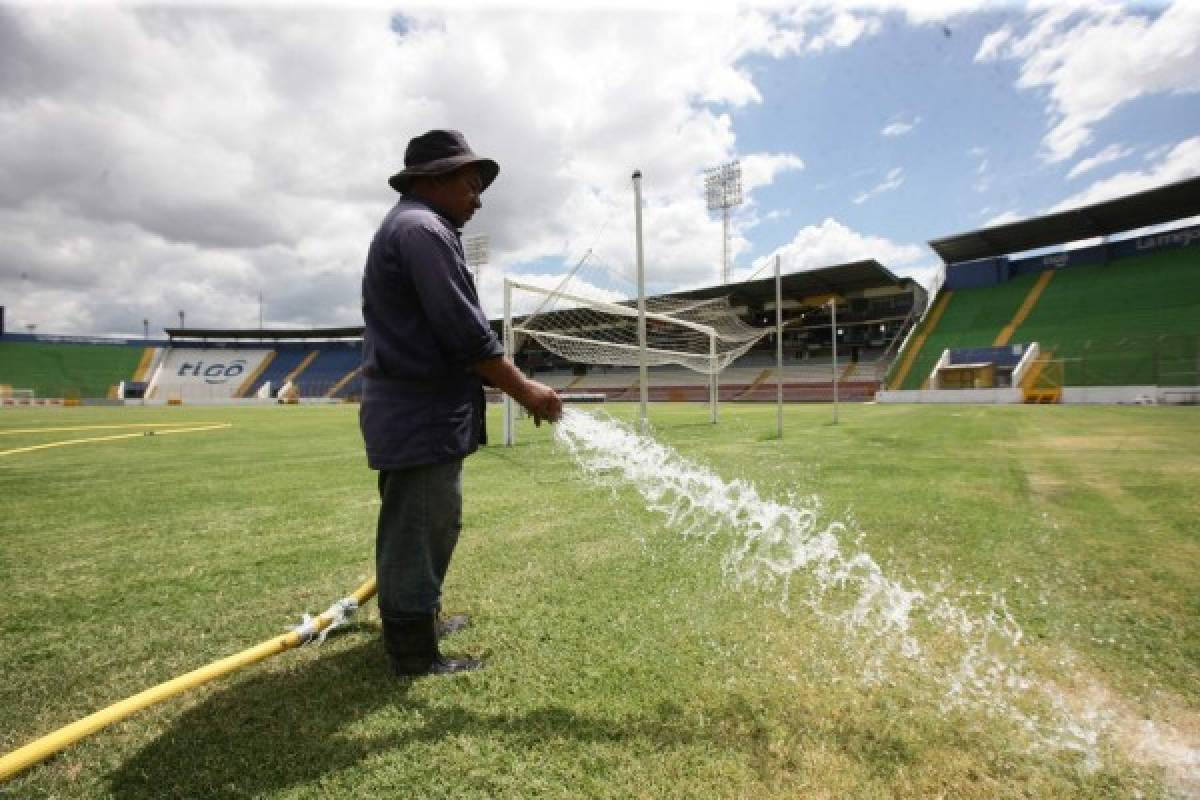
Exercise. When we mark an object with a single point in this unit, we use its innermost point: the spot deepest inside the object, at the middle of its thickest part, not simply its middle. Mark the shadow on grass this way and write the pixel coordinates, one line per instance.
(276, 730)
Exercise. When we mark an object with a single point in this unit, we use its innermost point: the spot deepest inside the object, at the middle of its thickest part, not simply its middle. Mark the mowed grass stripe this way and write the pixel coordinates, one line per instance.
(620, 663)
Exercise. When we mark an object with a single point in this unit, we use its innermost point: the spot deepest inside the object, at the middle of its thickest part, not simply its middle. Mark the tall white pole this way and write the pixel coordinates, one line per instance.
(724, 245)
(778, 351)
(641, 284)
(714, 387)
(509, 433)
(833, 308)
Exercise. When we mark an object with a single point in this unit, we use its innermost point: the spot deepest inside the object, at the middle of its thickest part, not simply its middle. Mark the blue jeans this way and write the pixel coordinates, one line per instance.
(419, 521)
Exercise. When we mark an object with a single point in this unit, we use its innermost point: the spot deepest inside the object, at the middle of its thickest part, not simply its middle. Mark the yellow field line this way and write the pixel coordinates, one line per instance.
(99, 427)
(66, 442)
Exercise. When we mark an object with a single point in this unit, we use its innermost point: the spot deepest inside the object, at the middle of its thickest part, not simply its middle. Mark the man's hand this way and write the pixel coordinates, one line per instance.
(542, 402)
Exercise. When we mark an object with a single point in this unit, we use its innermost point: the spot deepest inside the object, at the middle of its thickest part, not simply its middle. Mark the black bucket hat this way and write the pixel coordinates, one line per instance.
(438, 152)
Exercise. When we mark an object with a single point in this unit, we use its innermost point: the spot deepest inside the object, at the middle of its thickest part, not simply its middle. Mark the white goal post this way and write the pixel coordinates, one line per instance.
(701, 335)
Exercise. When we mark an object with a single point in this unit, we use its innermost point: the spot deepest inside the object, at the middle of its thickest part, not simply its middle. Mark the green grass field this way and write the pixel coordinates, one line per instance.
(621, 663)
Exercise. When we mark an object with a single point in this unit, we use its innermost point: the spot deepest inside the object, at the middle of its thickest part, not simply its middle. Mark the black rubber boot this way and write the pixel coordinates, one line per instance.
(448, 626)
(412, 648)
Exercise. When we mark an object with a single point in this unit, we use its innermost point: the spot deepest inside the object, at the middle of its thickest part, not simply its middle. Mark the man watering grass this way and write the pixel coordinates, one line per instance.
(427, 352)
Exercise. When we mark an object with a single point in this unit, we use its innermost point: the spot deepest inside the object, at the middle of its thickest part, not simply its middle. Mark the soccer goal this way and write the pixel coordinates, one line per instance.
(701, 334)
(11, 395)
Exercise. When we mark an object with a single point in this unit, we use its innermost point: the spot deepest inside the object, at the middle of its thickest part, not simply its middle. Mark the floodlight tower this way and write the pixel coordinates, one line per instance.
(723, 191)
(476, 247)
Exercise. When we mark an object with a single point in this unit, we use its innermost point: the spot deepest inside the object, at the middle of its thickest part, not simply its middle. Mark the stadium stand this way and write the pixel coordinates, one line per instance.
(334, 366)
(1135, 321)
(970, 318)
(289, 360)
(875, 310)
(1122, 313)
(194, 374)
(58, 367)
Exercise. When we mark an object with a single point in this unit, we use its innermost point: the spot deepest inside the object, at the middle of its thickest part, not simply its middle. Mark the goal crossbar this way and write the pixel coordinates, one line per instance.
(631, 347)
(614, 309)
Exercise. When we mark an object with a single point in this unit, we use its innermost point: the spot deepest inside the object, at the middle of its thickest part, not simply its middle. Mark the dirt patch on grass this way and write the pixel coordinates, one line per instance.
(1106, 443)
(1046, 486)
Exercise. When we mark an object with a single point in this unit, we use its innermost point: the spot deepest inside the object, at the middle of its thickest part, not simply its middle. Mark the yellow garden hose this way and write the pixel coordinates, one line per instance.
(48, 745)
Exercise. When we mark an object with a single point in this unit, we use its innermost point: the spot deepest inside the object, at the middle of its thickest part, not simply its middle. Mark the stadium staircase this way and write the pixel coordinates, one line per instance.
(752, 389)
(333, 369)
(286, 366)
(1043, 384)
(905, 363)
(1031, 299)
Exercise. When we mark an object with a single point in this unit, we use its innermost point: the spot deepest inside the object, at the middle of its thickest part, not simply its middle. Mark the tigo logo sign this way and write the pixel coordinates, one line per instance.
(212, 373)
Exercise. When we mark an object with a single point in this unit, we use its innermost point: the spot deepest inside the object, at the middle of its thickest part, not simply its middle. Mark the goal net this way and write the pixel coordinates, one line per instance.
(704, 335)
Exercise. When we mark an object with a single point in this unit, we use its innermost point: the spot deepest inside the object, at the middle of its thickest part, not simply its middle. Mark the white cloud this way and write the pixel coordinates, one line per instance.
(925, 11)
(900, 127)
(844, 29)
(1091, 58)
(991, 45)
(831, 243)
(159, 158)
(894, 179)
(1180, 162)
(1114, 152)
(527, 302)
(1002, 218)
(761, 169)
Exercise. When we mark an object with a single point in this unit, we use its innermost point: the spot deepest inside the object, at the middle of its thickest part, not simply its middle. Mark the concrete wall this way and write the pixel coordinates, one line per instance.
(984, 396)
(1072, 395)
(1131, 395)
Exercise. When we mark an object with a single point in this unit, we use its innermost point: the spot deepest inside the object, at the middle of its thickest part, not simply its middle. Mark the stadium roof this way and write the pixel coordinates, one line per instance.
(838, 279)
(1151, 207)
(275, 334)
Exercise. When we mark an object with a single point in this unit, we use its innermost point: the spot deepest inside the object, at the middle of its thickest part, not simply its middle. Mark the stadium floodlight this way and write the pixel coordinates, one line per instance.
(723, 191)
(476, 247)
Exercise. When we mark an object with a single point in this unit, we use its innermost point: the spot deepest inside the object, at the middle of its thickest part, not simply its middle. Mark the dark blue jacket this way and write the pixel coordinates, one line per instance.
(424, 328)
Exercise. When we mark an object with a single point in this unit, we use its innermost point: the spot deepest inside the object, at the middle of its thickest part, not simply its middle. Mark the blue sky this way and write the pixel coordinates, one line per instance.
(174, 158)
(971, 155)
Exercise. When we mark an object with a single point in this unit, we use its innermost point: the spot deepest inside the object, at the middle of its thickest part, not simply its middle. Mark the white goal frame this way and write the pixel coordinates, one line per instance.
(642, 349)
